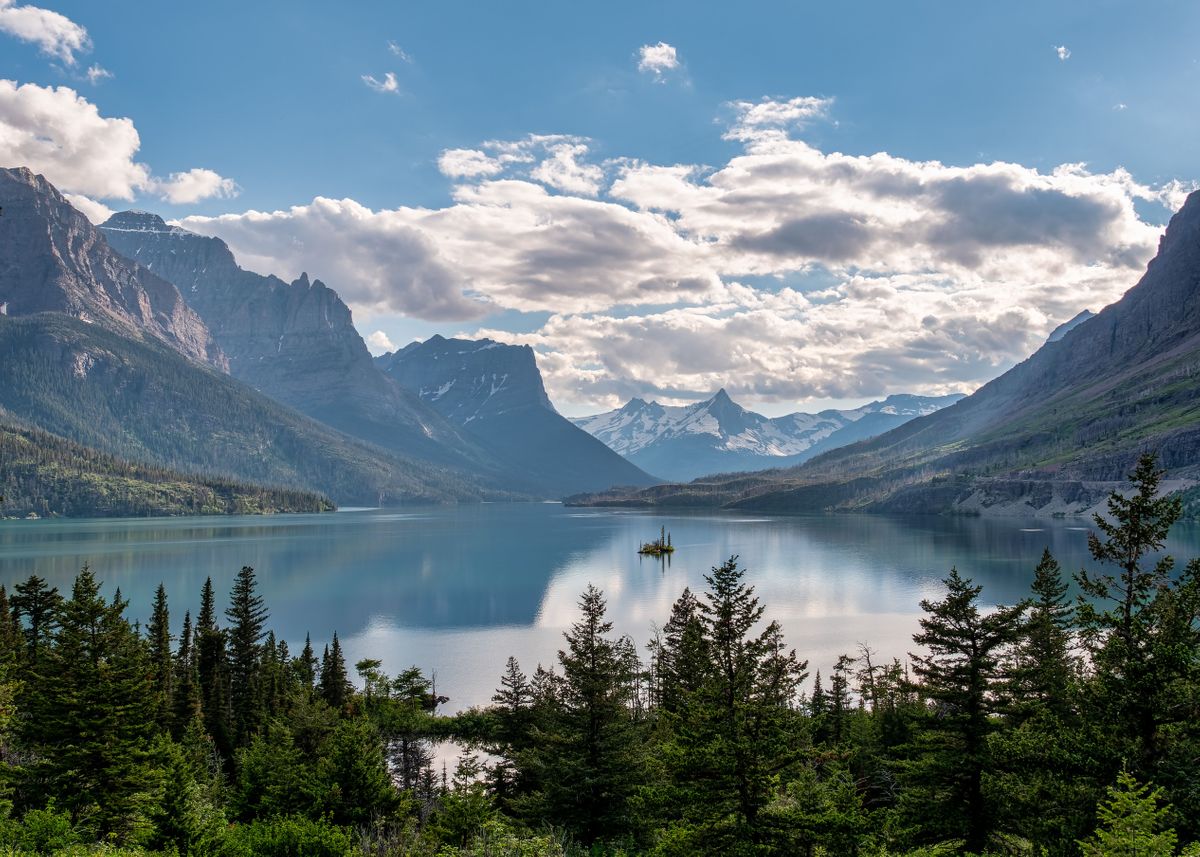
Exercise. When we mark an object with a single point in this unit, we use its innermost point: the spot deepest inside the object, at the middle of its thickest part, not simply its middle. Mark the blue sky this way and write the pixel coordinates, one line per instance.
(290, 102)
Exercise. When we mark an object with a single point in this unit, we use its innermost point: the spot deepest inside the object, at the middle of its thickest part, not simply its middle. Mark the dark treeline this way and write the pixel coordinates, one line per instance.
(48, 475)
(1056, 726)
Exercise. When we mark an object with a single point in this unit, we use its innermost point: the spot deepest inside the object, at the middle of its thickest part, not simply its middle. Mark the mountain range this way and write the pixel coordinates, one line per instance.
(717, 435)
(149, 344)
(1051, 436)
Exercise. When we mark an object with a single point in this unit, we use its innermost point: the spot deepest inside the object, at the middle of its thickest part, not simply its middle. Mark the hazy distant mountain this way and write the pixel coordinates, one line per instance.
(717, 435)
(495, 393)
(295, 341)
(52, 259)
(1067, 326)
(1053, 434)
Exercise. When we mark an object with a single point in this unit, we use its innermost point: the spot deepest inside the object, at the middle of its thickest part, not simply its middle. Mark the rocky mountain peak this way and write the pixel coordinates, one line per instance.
(138, 221)
(52, 259)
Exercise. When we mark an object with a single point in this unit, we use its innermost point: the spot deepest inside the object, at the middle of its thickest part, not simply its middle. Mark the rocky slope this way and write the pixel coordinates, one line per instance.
(143, 402)
(52, 259)
(295, 341)
(1061, 425)
(720, 436)
(495, 393)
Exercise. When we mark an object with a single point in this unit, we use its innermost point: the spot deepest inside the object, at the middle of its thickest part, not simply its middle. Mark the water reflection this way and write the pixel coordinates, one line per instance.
(457, 590)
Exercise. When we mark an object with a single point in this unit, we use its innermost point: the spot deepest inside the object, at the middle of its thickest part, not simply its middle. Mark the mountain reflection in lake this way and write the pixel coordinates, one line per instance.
(456, 590)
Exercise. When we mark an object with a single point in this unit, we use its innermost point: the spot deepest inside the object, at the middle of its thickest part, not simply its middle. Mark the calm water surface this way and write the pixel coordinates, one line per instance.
(455, 590)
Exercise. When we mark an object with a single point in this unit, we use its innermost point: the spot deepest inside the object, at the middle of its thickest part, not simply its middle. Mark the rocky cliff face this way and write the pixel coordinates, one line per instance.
(53, 260)
(495, 393)
(295, 341)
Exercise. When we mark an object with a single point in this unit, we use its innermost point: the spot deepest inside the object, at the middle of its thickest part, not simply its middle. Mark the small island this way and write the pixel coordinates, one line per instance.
(660, 547)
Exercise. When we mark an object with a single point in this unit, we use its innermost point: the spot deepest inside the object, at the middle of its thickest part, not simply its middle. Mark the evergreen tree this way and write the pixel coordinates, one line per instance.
(960, 675)
(36, 606)
(161, 660)
(94, 716)
(742, 730)
(213, 672)
(683, 662)
(11, 641)
(247, 618)
(185, 703)
(1045, 670)
(335, 687)
(589, 756)
(1144, 644)
(306, 665)
(1131, 823)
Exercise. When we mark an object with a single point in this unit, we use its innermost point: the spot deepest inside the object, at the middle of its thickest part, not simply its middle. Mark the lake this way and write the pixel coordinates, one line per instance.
(456, 590)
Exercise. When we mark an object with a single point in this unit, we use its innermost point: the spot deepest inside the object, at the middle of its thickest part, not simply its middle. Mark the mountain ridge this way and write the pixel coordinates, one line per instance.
(717, 435)
(1046, 435)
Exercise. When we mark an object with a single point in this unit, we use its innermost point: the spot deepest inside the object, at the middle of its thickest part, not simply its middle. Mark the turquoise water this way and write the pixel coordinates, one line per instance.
(455, 590)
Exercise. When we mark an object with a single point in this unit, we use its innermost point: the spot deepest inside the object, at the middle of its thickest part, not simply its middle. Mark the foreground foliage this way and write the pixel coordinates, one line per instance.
(1050, 727)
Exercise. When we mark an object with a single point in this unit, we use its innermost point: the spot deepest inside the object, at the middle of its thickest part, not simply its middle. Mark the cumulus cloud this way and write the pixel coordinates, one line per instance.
(657, 59)
(557, 161)
(59, 133)
(55, 35)
(771, 119)
(380, 343)
(563, 170)
(97, 212)
(389, 84)
(194, 185)
(785, 273)
(1063, 52)
(468, 163)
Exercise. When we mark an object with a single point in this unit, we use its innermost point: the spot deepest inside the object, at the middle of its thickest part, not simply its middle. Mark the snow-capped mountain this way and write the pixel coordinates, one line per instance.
(720, 436)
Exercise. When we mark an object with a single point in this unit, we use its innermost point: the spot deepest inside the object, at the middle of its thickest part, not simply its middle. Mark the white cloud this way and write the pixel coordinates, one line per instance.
(563, 170)
(60, 134)
(657, 59)
(389, 84)
(55, 35)
(1120, 105)
(379, 343)
(785, 273)
(468, 163)
(96, 73)
(770, 119)
(194, 185)
(1064, 53)
(395, 50)
(97, 212)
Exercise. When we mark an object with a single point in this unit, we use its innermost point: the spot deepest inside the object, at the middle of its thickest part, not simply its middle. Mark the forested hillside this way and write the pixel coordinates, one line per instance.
(142, 401)
(46, 475)
(1049, 727)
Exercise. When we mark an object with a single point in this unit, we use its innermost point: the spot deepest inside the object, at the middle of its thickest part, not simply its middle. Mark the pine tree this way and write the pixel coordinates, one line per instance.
(335, 686)
(247, 622)
(1045, 669)
(95, 716)
(37, 607)
(742, 729)
(161, 661)
(212, 670)
(11, 643)
(306, 665)
(683, 662)
(590, 755)
(961, 675)
(1135, 645)
(1131, 823)
(185, 703)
